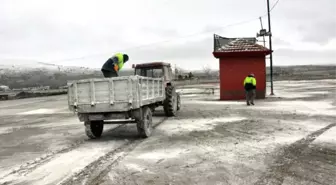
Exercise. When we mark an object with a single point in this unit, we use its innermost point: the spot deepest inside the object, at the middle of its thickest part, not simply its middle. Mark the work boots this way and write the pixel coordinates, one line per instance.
(249, 103)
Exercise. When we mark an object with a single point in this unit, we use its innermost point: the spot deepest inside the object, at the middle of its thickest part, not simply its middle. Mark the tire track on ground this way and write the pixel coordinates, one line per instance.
(276, 174)
(94, 172)
(29, 166)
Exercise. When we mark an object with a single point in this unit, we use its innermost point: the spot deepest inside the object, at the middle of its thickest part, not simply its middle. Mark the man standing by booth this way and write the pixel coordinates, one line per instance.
(113, 65)
(250, 84)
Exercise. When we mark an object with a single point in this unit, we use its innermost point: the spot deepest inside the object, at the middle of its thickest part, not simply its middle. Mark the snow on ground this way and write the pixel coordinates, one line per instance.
(64, 165)
(285, 139)
(43, 111)
(329, 137)
(43, 143)
(213, 142)
(317, 163)
(199, 124)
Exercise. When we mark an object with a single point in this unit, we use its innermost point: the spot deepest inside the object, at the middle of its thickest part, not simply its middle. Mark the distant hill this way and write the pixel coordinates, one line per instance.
(303, 72)
(44, 74)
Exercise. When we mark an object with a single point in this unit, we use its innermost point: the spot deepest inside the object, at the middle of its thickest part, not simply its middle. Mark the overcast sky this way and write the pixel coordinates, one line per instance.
(87, 32)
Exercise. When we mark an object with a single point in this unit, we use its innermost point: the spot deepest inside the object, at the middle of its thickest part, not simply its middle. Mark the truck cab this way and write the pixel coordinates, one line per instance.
(155, 70)
(163, 70)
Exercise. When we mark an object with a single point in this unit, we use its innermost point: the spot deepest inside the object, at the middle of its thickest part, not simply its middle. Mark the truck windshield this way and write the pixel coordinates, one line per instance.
(149, 72)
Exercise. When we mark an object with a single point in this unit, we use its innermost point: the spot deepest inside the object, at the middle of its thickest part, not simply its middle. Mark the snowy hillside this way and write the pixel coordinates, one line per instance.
(44, 74)
(40, 66)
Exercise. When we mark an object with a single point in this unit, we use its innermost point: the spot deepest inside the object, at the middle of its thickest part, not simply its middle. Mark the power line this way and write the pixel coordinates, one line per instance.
(274, 5)
(164, 41)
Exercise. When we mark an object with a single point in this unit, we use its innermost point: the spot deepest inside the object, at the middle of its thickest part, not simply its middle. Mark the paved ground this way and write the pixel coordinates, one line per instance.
(286, 139)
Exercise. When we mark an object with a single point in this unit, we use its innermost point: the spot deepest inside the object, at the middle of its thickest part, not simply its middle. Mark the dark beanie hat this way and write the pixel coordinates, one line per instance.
(126, 58)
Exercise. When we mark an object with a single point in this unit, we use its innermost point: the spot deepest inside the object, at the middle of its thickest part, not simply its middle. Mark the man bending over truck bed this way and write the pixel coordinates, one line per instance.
(113, 65)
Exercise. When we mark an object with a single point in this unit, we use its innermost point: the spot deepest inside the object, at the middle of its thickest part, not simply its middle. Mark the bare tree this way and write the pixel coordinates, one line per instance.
(178, 71)
(207, 70)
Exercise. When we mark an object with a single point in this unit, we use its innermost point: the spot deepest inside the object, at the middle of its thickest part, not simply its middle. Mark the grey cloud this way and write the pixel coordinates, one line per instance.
(305, 10)
(162, 32)
(297, 57)
(325, 54)
(202, 49)
(314, 20)
(213, 28)
(277, 41)
(319, 32)
(37, 35)
(189, 50)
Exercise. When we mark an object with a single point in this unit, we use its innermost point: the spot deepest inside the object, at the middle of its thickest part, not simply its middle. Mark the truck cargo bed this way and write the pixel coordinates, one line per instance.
(118, 94)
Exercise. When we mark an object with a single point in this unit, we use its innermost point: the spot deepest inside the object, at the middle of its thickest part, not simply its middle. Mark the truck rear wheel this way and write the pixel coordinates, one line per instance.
(145, 125)
(170, 103)
(94, 129)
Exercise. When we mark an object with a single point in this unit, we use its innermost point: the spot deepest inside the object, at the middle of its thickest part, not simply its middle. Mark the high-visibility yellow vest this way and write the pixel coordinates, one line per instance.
(250, 80)
(120, 57)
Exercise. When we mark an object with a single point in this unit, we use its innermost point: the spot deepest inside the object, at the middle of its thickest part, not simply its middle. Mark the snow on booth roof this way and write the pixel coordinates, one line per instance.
(241, 44)
(223, 44)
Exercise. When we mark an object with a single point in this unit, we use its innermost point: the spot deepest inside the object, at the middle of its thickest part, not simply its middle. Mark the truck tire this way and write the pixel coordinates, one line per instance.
(4, 97)
(178, 102)
(94, 129)
(145, 125)
(170, 103)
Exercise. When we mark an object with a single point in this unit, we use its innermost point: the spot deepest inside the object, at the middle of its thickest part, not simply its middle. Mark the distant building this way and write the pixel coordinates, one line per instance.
(63, 87)
(4, 88)
(238, 57)
(39, 88)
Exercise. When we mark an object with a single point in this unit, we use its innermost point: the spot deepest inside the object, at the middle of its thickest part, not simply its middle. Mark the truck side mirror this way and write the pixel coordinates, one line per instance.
(133, 66)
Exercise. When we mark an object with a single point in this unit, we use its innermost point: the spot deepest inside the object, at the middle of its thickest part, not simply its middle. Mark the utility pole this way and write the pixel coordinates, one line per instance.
(270, 45)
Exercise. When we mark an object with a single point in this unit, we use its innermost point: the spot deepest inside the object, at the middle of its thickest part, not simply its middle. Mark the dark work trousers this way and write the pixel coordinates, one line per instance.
(109, 74)
(250, 96)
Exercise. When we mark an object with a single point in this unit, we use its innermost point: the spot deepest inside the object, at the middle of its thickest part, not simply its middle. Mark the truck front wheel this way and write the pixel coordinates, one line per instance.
(178, 102)
(94, 129)
(170, 103)
(145, 124)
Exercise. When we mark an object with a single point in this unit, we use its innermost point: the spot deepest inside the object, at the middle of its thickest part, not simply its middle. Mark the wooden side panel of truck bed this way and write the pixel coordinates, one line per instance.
(116, 94)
